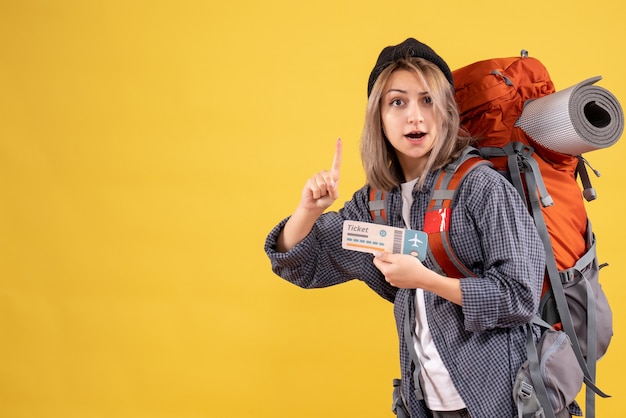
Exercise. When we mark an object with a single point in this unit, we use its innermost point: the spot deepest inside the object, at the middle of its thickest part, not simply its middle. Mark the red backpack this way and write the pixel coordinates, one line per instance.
(491, 96)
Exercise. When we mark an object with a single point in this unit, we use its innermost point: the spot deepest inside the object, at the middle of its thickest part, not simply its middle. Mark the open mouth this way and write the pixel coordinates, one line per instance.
(415, 135)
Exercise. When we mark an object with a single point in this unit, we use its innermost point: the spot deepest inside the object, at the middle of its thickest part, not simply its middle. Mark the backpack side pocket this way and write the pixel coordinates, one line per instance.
(548, 382)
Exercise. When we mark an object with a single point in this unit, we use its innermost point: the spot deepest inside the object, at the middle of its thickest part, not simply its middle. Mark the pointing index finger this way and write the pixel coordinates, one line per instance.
(337, 160)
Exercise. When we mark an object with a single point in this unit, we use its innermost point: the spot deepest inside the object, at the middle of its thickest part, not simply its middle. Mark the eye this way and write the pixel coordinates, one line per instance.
(427, 100)
(397, 102)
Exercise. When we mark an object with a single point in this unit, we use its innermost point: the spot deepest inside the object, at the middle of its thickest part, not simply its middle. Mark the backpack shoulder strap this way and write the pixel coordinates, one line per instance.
(439, 213)
(377, 205)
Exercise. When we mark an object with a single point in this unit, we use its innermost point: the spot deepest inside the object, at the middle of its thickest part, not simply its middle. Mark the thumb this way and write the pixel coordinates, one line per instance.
(384, 256)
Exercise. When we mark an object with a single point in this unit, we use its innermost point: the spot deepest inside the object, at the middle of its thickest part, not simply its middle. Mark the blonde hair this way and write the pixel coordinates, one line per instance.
(382, 169)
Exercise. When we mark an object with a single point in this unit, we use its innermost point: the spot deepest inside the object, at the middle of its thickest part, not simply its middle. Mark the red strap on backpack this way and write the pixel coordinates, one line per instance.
(439, 214)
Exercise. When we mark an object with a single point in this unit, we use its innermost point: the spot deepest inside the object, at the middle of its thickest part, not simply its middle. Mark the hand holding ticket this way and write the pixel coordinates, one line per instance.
(371, 238)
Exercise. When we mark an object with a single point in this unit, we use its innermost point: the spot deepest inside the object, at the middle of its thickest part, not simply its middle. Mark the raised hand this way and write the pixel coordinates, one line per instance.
(321, 190)
(318, 194)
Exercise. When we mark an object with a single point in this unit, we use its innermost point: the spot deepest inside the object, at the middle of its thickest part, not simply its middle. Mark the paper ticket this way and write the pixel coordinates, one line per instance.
(371, 238)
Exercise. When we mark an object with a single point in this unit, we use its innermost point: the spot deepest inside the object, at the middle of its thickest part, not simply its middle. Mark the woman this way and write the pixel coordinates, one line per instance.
(467, 332)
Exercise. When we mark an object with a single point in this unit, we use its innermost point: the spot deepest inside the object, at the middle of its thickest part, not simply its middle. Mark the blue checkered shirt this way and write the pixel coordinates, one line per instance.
(482, 342)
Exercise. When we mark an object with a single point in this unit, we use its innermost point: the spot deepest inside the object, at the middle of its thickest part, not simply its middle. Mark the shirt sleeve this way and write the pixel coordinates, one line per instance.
(319, 259)
(508, 255)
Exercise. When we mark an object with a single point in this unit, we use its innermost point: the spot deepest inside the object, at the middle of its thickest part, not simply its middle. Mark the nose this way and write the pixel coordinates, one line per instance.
(415, 114)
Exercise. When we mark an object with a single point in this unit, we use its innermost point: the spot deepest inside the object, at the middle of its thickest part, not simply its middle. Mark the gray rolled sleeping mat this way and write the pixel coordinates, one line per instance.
(579, 119)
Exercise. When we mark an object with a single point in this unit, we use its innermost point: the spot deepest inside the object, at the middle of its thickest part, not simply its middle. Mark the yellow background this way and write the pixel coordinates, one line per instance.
(148, 146)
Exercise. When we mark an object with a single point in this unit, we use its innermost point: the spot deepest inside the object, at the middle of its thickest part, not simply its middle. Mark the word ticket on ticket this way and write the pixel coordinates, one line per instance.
(371, 238)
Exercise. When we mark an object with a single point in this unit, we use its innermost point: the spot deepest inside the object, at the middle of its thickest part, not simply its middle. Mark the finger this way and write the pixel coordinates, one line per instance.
(324, 181)
(318, 186)
(383, 256)
(335, 168)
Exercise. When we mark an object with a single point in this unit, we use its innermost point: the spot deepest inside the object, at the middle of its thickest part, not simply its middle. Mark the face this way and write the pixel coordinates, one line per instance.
(407, 116)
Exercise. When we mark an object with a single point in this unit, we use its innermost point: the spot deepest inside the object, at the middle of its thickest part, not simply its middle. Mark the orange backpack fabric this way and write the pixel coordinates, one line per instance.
(491, 96)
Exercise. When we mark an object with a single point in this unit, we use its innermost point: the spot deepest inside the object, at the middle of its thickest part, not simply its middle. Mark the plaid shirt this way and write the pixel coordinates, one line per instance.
(482, 343)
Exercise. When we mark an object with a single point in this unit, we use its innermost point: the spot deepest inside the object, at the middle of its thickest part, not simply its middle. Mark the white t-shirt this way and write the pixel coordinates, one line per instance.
(439, 391)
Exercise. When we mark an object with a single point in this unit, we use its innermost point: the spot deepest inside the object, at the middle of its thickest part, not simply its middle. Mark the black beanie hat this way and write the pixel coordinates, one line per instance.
(409, 48)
